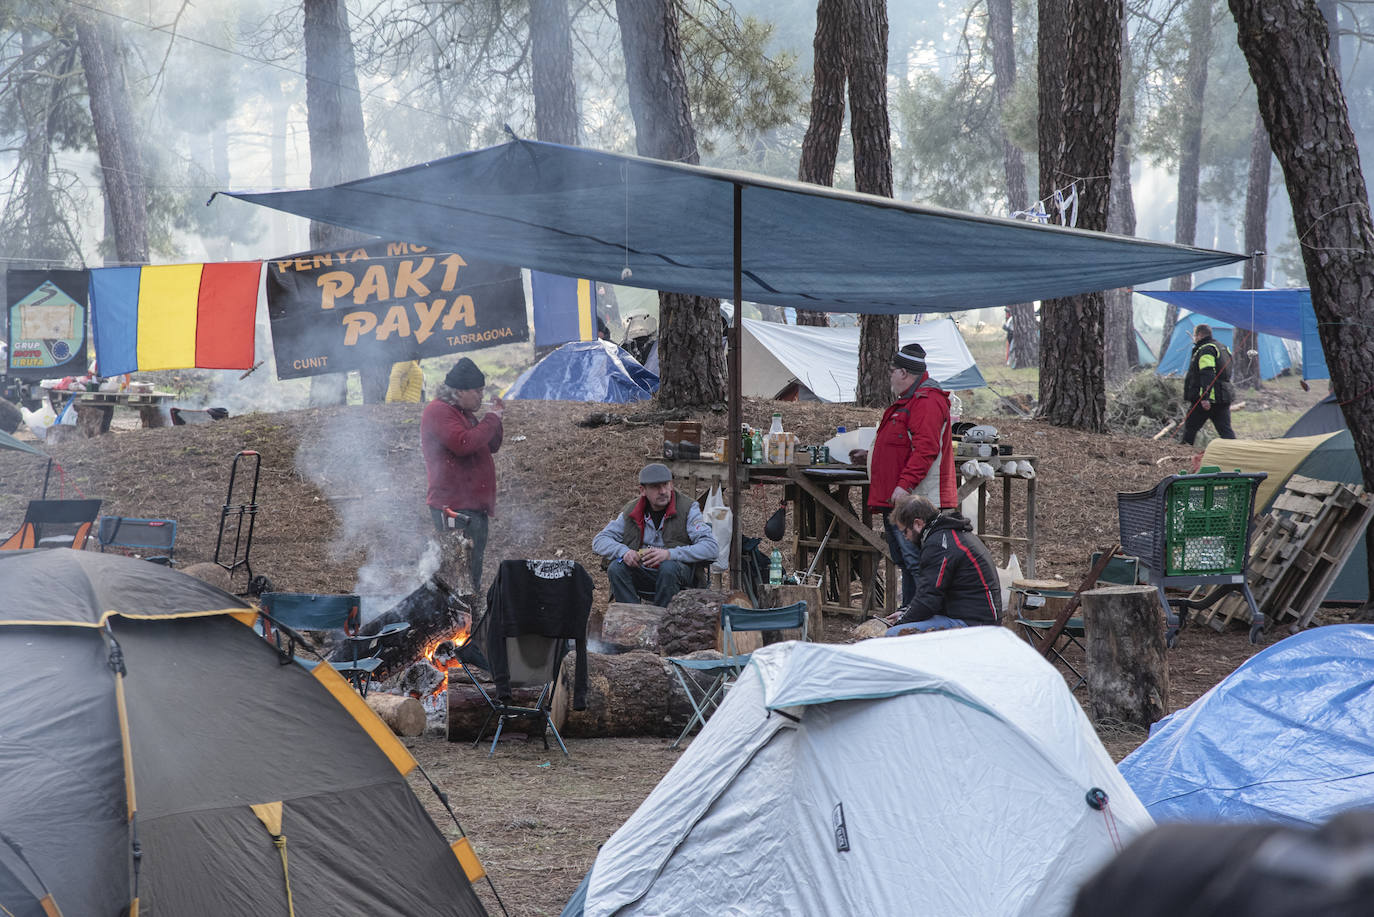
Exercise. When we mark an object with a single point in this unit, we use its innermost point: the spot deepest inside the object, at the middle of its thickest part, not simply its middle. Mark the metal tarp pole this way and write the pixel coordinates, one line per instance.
(732, 437)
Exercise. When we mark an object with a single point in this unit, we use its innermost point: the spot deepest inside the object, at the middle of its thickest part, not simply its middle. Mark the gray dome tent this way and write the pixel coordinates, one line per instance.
(159, 758)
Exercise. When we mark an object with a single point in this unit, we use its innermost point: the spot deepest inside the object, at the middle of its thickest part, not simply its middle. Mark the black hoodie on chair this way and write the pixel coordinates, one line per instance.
(551, 598)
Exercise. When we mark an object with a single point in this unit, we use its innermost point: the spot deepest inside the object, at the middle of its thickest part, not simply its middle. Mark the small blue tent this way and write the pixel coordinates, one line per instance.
(1273, 356)
(586, 371)
(1285, 738)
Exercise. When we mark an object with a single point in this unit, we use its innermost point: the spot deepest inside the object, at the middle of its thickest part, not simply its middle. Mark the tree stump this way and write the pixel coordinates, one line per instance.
(631, 694)
(1128, 672)
(690, 622)
(870, 629)
(405, 715)
(777, 596)
(627, 627)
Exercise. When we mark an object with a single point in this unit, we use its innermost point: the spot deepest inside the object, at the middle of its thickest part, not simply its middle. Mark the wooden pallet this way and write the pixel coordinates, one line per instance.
(1296, 551)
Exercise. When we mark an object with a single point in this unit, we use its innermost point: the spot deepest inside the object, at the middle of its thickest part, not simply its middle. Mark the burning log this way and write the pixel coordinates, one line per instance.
(434, 612)
(405, 715)
(631, 694)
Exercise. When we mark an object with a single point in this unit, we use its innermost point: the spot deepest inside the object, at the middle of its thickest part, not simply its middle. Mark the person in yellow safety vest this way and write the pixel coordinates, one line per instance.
(1207, 391)
(407, 382)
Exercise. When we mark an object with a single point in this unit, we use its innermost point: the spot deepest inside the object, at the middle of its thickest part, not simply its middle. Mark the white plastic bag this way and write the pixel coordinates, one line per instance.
(68, 416)
(38, 421)
(1006, 576)
(721, 519)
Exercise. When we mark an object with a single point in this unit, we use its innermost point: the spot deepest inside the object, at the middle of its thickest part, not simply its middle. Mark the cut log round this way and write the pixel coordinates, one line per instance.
(630, 627)
(631, 694)
(405, 715)
(690, 622)
(1128, 672)
(778, 596)
(468, 711)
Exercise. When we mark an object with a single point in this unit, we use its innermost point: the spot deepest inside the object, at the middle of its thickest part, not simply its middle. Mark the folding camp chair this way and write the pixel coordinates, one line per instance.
(132, 536)
(533, 662)
(1120, 570)
(719, 673)
(289, 613)
(54, 524)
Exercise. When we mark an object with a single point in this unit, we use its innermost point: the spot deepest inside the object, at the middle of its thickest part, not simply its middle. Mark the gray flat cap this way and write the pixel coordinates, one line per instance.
(655, 473)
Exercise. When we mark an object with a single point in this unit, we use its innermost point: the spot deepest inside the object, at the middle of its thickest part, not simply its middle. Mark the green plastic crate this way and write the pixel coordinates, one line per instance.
(1207, 526)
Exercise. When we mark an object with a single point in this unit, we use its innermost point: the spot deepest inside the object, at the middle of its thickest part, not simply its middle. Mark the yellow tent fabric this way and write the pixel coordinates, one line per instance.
(1279, 457)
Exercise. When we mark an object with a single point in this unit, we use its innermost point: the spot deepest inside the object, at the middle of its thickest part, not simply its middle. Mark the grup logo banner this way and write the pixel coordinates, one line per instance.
(46, 323)
(387, 302)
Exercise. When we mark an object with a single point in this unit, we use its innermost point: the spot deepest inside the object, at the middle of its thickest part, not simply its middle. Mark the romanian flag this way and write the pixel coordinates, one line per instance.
(177, 316)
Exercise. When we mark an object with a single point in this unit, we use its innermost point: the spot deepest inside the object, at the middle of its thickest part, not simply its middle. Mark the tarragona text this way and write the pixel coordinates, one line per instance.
(424, 276)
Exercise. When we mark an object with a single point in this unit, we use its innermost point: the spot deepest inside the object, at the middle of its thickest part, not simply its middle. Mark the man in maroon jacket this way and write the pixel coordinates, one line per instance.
(913, 452)
(462, 475)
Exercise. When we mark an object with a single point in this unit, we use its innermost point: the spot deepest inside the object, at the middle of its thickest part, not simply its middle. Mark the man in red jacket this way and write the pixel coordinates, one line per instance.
(462, 475)
(913, 452)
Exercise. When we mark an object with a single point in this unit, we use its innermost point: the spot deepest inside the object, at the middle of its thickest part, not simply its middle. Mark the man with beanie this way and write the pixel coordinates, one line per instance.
(462, 475)
(913, 452)
(657, 542)
(1207, 389)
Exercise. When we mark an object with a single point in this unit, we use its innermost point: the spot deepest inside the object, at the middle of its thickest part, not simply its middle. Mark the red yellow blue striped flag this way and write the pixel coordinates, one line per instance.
(176, 316)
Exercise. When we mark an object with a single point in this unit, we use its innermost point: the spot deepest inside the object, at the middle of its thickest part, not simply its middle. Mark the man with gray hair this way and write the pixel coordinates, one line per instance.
(458, 451)
(957, 585)
(657, 541)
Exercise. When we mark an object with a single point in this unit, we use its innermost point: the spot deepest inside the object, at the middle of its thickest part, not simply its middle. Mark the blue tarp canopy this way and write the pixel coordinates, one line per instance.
(586, 213)
(1282, 313)
(1273, 356)
(1284, 738)
(586, 371)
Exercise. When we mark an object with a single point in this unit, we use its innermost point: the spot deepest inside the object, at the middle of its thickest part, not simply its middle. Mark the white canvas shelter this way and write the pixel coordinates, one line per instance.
(939, 774)
(826, 360)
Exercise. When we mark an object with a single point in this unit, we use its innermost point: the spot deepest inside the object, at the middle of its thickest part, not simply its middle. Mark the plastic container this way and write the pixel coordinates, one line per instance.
(956, 408)
(775, 567)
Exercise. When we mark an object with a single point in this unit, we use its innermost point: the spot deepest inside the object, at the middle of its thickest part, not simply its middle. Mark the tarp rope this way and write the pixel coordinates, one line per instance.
(1097, 799)
(443, 799)
(279, 841)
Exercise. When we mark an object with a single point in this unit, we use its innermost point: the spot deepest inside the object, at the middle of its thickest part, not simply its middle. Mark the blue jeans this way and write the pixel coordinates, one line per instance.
(665, 581)
(905, 555)
(937, 622)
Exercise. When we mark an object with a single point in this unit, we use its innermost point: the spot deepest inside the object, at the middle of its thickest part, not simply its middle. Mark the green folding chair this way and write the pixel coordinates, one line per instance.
(718, 674)
(289, 613)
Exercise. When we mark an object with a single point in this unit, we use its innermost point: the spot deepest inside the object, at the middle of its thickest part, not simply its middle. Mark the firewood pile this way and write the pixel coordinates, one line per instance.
(1296, 552)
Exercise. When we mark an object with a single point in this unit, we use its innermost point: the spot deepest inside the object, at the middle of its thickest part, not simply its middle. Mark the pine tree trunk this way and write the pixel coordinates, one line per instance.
(872, 175)
(1245, 368)
(551, 66)
(821, 145)
(1072, 384)
(690, 356)
(1025, 333)
(1122, 354)
(338, 153)
(1199, 20)
(1285, 44)
(116, 133)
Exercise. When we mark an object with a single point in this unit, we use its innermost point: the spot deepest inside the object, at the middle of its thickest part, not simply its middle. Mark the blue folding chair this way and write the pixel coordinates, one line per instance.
(151, 539)
(720, 673)
(289, 613)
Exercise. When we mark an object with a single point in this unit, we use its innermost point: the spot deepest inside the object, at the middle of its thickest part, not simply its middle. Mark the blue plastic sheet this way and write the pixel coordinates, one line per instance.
(1288, 737)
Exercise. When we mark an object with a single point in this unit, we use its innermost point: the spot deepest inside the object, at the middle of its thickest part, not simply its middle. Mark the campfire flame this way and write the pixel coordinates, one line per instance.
(442, 653)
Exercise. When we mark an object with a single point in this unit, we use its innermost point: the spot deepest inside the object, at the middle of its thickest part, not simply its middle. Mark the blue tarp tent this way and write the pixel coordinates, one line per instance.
(585, 371)
(1278, 313)
(1284, 738)
(672, 226)
(1273, 356)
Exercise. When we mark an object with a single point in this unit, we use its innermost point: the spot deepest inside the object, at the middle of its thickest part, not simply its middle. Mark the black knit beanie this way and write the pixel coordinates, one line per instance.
(911, 358)
(465, 375)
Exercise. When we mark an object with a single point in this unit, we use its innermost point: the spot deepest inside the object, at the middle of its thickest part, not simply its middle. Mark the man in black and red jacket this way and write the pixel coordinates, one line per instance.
(957, 585)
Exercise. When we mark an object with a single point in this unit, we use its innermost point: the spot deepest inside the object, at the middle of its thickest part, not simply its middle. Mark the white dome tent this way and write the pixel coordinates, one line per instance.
(940, 774)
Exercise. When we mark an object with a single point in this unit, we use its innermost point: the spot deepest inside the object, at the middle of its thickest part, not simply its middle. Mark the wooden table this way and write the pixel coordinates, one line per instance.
(857, 575)
(95, 410)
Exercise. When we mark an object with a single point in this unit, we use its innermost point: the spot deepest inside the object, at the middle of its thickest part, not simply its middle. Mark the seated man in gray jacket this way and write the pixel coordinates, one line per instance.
(656, 542)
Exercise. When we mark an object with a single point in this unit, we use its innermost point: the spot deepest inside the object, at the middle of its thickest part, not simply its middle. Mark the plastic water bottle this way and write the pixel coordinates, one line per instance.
(775, 567)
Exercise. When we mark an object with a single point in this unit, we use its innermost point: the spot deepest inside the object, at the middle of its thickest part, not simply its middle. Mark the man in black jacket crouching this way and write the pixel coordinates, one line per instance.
(957, 583)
